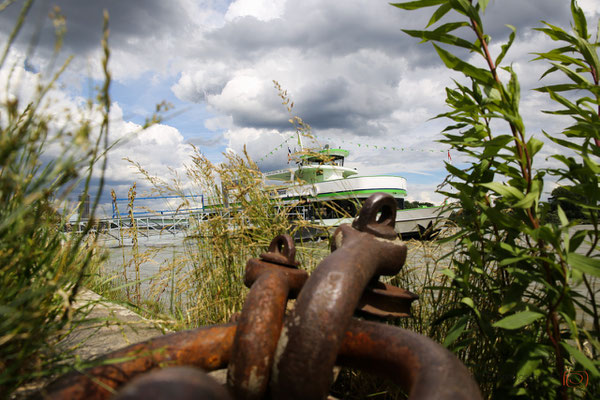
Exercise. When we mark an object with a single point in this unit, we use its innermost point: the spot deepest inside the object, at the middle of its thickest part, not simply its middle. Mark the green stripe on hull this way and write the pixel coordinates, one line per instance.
(350, 194)
(363, 193)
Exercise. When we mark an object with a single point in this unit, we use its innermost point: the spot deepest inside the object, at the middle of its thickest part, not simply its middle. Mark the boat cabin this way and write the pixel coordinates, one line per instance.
(322, 166)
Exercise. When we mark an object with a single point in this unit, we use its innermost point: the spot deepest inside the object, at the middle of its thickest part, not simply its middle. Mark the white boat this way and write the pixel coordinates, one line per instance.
(330, 194)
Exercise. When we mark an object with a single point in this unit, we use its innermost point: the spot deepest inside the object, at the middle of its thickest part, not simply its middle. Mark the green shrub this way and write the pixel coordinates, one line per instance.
(526, 312)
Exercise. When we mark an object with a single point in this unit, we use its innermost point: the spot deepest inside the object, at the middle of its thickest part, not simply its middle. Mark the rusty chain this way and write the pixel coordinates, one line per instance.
(269, 354)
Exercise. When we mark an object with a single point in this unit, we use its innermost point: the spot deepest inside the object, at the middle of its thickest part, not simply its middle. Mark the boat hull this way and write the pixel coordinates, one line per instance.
(419, 223)
(358, 187)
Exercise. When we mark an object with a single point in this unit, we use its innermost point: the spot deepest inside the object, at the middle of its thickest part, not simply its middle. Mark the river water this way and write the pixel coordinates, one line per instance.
(160, 256)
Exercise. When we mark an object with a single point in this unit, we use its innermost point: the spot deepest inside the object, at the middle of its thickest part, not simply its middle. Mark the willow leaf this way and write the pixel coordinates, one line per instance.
(455, 332)
(581, 359)
(534, 145)
(556, 33)
(587, 265)
(574, 76)
(579, 19)
(439, 13)
(518, 320)
(481, 75)
(414, 5)
(504, 190)
(558, 88)
(483, 5)
(548, 71)
(442, 38)
(506, 46)
(561, 57)
(526, 369)
(527, 201)
(450, 26)
(457, 172)
(588, 51)
(572, 108)
(465, 7)
(514, 89)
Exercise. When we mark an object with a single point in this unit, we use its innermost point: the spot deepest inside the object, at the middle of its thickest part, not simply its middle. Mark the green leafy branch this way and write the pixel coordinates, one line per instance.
(513, 272)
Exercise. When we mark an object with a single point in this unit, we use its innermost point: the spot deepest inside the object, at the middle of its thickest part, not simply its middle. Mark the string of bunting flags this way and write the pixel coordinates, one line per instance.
(394, 148)
(366, 145)
(280, 146)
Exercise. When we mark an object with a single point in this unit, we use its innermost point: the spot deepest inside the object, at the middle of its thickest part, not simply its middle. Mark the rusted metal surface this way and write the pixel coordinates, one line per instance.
(282, 251)
(181, 383)
(422, 367)
(310, 340)
(207, 348)
(281, 259)
(378, 216)
(386, 301)
(271, 279)
(273, 355)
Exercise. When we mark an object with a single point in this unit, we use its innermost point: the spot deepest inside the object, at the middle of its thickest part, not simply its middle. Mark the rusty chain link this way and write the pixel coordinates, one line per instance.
(269, 354)
(272, 279)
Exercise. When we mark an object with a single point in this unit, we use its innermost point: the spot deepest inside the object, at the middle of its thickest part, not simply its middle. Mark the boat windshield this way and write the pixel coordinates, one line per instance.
(337, 161)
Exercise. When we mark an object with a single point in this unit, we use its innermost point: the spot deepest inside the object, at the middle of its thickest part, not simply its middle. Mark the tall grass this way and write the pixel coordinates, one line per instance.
(42, 266)
(241, 217)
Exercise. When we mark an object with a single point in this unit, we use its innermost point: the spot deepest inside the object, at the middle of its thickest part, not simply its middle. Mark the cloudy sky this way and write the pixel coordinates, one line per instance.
(351, 72)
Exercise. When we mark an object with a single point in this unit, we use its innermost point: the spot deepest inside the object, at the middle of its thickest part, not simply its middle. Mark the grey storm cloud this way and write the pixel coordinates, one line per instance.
(325, 104)
(328, 103)
(322, 28)
(331, 104)
(350, 70)
(333, 35)
(346, 64)
(129, 20)
(524, 15)
(332, 29)
(328, 33)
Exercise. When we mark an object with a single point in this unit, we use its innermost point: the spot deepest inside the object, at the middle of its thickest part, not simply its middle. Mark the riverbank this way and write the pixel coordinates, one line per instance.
(107, 327)
(102, 327)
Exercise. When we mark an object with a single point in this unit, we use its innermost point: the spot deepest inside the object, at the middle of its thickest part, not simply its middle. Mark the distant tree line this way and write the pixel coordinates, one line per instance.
(569, 201)
(417, 204)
